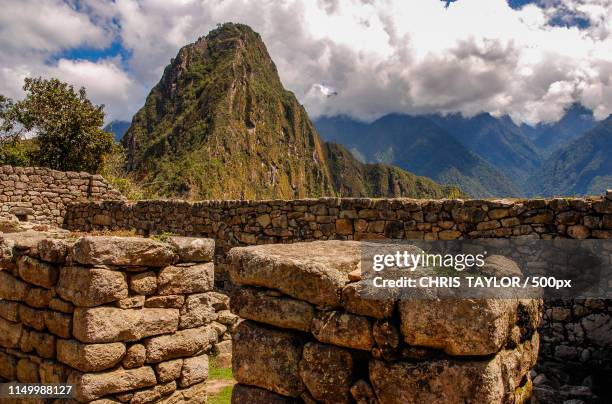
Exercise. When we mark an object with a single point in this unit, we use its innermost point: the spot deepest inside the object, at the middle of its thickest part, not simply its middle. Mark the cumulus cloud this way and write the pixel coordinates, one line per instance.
(379, 56)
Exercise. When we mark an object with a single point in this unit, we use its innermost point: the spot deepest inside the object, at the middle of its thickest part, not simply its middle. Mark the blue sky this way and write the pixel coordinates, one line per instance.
(528, 59)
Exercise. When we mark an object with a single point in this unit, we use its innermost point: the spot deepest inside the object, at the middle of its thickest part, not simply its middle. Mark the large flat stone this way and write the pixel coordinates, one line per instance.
(315, 272)
(489, 380)
(90, 386)
(122, 251)
(183, 343)
(459, 326)
(89, 357)
(90, 287)
(266, 307)
(110, 324)
(267, 358)
(176, 280)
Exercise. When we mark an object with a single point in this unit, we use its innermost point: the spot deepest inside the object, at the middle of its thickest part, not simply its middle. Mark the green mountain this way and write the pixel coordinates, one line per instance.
(581, 167)
(220, 125)
(420, 146)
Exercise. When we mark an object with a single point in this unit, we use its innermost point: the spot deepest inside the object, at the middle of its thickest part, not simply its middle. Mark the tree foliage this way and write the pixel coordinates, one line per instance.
(66, 126)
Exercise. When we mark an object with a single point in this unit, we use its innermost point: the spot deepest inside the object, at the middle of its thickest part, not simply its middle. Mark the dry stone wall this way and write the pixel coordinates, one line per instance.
(327, 344)
(123, 319)
(576, 336)
(40, 195)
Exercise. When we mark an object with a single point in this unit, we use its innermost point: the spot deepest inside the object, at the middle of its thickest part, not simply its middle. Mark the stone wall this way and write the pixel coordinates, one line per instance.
(40, 195)
(328, 344)
(126, 318)
(576, 336)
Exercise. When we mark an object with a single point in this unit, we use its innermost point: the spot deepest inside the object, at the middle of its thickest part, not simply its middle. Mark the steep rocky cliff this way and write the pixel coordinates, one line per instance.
(220, 124)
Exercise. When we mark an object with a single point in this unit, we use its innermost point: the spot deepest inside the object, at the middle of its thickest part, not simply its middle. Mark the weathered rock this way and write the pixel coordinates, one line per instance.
(8, 366)
(53, 250)
(363, 393)
(265, 307)
(144, 283)
(131, 302)
(53, 372)
(342, 329)
(386, 334)
(152, 395)
(195, 370)
(358, 299)
(315, 272)
(267, 358)
(168, 302)
(192, 249)
(42, 343)
(27, 371)
(60, 305)
(135, 356)
(122, 251)
(182, 343)
(58, 323)
(327, 372)
(182, 280)
(39, 297)
(89, 287)
(227, 318)
(254, 395)
(32, 317)
(12, 288)
(197, 311)
(489, 380)
(9, 310)
(500, 266)
(458, 326)
(169, 370)
(195, 394)
(109, 324)
(90, 386)
(89, 357)
(598, 328)
(37, 272)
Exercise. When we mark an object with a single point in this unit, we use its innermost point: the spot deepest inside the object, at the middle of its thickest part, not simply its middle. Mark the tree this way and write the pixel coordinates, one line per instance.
(66, 125)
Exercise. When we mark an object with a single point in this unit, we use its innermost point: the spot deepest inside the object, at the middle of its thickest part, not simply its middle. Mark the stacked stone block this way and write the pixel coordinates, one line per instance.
(123, 319)
(40, 195)
(311, 337)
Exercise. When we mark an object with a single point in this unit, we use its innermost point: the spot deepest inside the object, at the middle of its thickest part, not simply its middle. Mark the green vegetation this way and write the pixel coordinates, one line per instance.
(63, 126)
(218, 373)
(220, 125)
(580, 167)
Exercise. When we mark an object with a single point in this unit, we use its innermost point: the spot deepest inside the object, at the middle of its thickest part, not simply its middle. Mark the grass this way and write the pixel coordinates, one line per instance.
(217, 373)
(224, 397)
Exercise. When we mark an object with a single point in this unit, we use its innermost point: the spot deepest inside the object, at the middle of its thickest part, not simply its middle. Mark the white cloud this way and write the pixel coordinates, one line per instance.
(380, 56)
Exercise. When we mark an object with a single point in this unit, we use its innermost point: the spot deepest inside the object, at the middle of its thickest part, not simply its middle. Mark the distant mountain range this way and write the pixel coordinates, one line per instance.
(117, 128)
(484, 155)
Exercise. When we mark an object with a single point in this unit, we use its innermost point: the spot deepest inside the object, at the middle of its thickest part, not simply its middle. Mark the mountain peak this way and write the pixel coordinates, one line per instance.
(220, 124)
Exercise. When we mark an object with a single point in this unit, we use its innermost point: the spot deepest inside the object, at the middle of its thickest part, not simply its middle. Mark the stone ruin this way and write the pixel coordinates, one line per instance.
(311, 337)
(123, 319)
